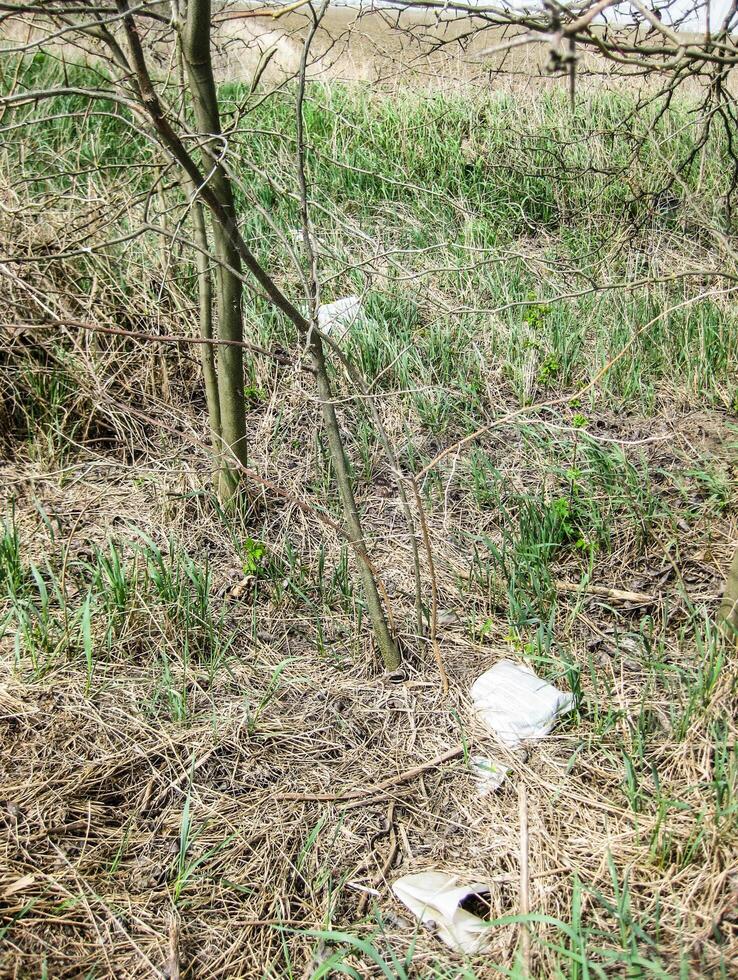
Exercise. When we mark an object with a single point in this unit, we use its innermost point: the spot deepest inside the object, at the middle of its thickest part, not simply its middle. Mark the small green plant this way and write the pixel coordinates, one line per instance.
(549, 369)
(253, 395)
(269, 694)
(12, 574)
(253, 553)
(86, 636)
(481, 632)
(536, 313)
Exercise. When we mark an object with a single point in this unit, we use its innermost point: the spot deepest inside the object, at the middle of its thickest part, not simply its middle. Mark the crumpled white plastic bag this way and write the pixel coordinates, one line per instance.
(343, 313)
(434, 897)
(516, 704)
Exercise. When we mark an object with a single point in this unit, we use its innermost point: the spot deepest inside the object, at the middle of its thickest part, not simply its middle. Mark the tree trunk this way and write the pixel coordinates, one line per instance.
(207, 351)
(387, 646)
(196, 47)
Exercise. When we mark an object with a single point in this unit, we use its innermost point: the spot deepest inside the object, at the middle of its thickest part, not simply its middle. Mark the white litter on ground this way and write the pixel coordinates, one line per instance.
(435, 898)
(490, 773)
(343, 313)
(516, 704)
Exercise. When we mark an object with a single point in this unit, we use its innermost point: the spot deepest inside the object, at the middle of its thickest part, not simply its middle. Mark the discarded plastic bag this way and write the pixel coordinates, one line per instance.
(437, 899)
(490, 773)
(516, 704)
(343, 313)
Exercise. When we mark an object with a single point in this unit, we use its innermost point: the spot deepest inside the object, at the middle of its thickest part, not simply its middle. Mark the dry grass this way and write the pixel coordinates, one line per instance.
(97, 783)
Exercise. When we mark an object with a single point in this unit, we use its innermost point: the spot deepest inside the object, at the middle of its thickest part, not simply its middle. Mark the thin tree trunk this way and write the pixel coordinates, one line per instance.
(356, 378)
(232, 414)
(204, 275)
(207, 352)
(387, 645)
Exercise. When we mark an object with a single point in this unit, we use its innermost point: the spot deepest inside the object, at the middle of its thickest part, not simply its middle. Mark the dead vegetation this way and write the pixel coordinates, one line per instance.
(118, 816)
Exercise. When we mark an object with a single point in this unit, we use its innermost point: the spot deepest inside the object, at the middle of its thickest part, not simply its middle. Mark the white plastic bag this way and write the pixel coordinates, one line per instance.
(343, 313)
(435, 898)
(490, 773)
(516, 704)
